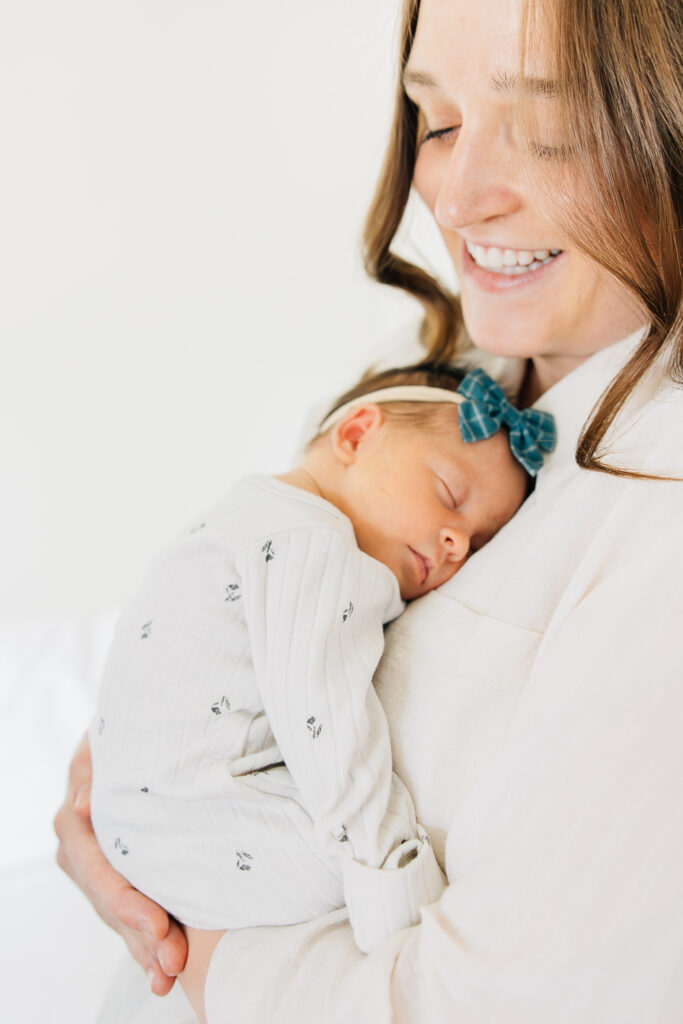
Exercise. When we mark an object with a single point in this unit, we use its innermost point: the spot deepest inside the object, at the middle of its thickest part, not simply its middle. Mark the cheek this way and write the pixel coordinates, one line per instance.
(584, 293)
(510, 480)
(592, 283)
(426, 178)
(430, 169)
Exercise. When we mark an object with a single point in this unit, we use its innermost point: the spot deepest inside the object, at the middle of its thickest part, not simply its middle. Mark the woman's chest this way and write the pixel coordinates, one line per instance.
(457, 666)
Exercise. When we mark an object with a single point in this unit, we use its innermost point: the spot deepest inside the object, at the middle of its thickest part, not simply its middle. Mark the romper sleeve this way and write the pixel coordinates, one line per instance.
(568, 907)
(315, 607)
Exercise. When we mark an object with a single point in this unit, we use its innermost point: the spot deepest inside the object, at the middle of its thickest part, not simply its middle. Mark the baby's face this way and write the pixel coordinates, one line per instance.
(421, 500)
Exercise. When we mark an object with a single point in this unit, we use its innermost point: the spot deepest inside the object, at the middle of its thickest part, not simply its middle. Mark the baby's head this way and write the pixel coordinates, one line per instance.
(419, 497)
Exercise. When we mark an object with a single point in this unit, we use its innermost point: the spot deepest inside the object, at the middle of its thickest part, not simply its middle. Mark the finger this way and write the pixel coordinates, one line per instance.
(160, 982)
(154, 931)
(81, 800)
(158, 939)
(161, 961)
(155, 940)
(172, 950)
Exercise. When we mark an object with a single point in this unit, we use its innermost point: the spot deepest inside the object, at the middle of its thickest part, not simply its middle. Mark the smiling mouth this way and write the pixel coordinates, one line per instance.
(423, 565)
(510, 262)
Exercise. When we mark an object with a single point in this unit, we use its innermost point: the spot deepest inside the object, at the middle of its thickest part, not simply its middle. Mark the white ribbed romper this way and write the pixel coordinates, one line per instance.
(242, 765)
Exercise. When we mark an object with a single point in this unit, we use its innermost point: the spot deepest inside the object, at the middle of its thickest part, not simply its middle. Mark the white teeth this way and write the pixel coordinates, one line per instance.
(510, 261)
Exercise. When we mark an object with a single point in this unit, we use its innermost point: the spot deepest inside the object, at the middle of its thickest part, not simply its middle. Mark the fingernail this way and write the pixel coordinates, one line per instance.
(160, 958)
(151, 976)
(81, 797)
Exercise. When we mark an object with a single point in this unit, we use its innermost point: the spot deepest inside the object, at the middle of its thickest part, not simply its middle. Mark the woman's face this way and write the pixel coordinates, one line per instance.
(525, 291)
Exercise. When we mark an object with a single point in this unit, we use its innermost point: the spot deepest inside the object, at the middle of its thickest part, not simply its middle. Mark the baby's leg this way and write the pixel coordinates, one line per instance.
(245, 858)
(278, 866)
(297, 879)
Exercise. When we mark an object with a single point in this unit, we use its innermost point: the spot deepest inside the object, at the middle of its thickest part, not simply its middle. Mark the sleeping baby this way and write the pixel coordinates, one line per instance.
(241, 758)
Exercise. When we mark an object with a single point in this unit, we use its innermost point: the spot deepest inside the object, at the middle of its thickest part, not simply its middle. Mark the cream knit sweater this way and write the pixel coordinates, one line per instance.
(536, 712)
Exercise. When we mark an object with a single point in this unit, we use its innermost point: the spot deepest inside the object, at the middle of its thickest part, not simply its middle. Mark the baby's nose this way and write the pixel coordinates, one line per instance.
(455, 542)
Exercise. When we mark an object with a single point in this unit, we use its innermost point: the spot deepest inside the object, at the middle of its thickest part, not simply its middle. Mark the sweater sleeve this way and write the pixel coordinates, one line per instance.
(315, 607)
(568, 908)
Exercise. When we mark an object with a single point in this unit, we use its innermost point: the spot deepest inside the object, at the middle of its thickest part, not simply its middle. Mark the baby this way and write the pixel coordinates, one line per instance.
(242, 765)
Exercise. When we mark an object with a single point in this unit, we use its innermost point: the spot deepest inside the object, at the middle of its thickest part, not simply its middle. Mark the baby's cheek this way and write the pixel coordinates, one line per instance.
(516, 485)
(449, 571)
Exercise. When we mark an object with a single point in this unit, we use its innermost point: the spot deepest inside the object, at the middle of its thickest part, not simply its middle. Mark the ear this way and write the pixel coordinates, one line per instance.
(360, 425)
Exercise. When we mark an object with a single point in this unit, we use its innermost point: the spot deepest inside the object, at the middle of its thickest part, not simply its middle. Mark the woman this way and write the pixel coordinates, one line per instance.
(535, 701)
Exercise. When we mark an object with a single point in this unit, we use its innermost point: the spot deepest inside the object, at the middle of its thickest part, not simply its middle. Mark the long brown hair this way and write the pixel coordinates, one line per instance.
(619, 68)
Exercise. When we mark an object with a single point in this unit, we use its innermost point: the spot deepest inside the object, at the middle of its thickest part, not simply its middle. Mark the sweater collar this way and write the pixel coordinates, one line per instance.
(572, 399)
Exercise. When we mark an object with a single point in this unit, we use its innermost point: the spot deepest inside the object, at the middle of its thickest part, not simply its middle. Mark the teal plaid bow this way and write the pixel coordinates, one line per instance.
(531, 432)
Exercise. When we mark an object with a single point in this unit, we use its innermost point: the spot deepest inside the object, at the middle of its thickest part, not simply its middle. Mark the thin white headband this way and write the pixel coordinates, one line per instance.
(400, 393)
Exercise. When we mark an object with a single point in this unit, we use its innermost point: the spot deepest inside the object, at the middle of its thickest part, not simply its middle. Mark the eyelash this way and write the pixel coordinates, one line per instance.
(439, 133)
(449, 493)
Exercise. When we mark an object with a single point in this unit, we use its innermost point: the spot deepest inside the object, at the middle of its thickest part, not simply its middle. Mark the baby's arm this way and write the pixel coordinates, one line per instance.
(315, 610)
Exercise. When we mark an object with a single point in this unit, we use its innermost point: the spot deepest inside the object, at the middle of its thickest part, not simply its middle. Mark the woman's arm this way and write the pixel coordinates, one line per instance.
(154, 940)
(565, 861)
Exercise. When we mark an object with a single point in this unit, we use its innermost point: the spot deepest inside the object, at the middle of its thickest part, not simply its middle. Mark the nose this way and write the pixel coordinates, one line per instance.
(455, 543)
(478, 180)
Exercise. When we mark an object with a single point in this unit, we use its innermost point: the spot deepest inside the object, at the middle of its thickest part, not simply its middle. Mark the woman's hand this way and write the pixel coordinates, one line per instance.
(154, 940)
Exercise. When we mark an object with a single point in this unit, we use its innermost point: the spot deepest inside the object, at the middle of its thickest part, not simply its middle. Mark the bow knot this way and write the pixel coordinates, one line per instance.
(531, 432)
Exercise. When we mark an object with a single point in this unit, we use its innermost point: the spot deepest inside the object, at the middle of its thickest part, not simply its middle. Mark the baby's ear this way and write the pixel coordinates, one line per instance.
(358, 426)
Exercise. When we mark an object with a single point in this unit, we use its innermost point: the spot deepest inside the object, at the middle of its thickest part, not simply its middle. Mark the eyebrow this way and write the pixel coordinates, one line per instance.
(414, 77)
(501, 81)
(509, 81)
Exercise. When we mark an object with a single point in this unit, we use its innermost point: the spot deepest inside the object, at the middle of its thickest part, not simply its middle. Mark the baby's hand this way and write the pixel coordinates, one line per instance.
(153, 939)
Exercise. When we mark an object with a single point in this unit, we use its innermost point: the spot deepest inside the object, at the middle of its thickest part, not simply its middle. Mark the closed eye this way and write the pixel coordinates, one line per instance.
(439, 133)
(445, 493)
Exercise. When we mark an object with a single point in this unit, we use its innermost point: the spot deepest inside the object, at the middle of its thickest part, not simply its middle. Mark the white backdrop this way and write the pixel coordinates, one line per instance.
(182, 190)
(183, 185)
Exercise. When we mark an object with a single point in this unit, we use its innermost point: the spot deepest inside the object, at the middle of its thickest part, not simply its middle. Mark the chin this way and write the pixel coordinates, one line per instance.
(523, 321)
(505, 335)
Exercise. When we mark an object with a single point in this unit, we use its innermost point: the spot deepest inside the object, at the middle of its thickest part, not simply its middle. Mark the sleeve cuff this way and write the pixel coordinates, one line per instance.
(385, 900)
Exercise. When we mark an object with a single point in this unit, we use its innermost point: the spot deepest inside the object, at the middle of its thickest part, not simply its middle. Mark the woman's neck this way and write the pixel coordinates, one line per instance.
(535, 382)
(542, 371)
